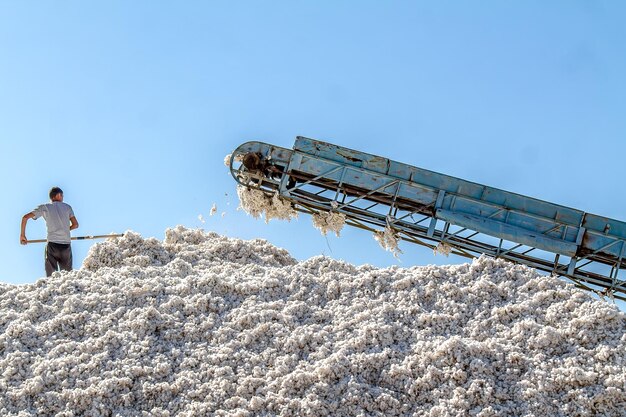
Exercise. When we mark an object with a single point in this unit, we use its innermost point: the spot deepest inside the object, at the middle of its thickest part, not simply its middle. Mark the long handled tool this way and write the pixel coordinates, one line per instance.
(77, 238)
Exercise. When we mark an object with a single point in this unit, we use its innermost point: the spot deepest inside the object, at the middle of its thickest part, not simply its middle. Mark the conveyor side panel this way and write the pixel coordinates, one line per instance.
(489, 212)
(435, 180)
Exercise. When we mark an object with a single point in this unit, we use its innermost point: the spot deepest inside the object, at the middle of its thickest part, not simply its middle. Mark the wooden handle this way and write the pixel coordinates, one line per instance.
(78, 238)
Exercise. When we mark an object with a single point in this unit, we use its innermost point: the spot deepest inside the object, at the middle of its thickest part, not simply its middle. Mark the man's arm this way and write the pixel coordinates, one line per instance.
(73, 223)
(25, 218)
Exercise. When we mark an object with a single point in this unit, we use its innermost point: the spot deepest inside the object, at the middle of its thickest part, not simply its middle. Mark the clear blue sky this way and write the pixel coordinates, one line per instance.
(131, 107)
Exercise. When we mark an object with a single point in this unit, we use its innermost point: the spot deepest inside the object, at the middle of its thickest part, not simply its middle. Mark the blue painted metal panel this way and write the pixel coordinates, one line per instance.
(602, 244)
(417, 193)
(605, 225)
(508, 232)
(343, 155)
(478, 215)
(439, 181)
(363, 179)
(499, 208)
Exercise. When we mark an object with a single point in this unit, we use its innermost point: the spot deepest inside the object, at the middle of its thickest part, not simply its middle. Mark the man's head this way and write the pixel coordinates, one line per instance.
(56, 194)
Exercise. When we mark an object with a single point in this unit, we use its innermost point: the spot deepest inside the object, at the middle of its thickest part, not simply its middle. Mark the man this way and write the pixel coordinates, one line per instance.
(60, 220)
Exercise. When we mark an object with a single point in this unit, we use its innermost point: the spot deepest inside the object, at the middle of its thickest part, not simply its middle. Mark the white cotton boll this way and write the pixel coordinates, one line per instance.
(280, 209)
(253, 201)
(442, 248)
(227, 158)
(201, 218)
(329, 221)
(213, 210)
(256, 203)
(388, 240)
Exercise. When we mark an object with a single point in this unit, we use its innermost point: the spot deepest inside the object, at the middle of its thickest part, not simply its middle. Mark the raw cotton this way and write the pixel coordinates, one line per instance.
(329, 221)
(442, 248)
(256, 203)
(203, 325)
(388, 240)
(238, 158)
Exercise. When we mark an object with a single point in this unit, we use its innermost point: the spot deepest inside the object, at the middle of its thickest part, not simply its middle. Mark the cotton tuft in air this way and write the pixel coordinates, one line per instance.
(204, 325)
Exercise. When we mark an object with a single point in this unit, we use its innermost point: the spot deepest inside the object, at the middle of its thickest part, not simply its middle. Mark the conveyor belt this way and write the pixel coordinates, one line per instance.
(429, 208)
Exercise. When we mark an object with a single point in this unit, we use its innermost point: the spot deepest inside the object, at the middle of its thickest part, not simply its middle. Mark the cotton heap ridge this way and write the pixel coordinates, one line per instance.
(205, 325)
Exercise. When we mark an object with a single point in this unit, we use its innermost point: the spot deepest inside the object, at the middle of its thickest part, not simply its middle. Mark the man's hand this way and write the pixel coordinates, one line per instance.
(23, 239)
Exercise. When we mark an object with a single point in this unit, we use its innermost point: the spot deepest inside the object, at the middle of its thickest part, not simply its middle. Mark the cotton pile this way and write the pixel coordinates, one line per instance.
(204, 325)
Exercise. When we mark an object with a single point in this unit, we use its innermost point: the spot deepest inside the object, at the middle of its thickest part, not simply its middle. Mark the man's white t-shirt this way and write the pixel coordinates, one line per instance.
(57, 216)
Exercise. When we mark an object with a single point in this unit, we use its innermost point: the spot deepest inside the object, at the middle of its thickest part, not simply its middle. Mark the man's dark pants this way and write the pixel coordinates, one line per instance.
(58, 255)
